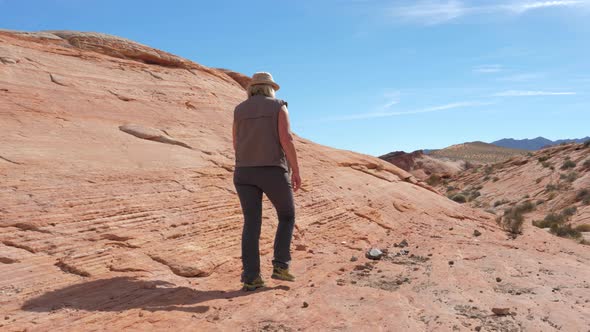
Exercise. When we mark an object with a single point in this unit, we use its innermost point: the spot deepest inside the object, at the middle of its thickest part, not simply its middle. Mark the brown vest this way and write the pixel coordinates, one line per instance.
(257, 136)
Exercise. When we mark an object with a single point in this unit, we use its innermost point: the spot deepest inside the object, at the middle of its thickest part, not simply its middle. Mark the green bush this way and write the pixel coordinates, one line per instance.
(546, 164)
(501, 202)
(583, 196)
(513, 217)
(565, 231)
(553, 219)
(433, 180)
(569, 211)
(543, 159)
(550, 187)
(568, 164)
(569, 177)
(459, 198)
(488, 169)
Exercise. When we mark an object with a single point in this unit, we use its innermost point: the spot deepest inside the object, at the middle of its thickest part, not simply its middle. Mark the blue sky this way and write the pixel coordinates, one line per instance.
(373, 76)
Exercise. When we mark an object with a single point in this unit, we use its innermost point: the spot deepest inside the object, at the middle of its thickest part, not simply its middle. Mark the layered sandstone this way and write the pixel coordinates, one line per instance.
(118, 212)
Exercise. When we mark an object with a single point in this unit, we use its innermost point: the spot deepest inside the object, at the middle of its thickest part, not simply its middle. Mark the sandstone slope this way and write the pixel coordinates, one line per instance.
(554, 180)
(477, 152)
(118, 213)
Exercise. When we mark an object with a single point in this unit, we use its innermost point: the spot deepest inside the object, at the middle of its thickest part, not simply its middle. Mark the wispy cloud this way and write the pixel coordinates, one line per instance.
(522, 77)
(363, 116)
(527, 93)
(437, 12)
(392, 97)
(488, 69)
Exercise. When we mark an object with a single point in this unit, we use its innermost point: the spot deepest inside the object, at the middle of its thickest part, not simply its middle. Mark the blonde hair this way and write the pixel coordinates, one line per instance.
(261, 89)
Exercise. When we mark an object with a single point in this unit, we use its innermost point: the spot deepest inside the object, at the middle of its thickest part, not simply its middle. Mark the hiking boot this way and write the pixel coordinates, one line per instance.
(254, 285)
(282, 274)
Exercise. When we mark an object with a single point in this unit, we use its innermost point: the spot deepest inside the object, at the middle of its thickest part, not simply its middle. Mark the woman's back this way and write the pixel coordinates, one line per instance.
(257, 134)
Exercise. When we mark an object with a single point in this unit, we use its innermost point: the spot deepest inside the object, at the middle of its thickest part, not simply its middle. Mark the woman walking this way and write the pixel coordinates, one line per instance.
(266, 162)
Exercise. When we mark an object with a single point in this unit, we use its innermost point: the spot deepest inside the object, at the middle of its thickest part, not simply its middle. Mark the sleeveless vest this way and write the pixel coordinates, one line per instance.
(257, 133)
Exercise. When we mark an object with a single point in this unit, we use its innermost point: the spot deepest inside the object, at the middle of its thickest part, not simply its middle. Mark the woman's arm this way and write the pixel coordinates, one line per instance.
(287, 143)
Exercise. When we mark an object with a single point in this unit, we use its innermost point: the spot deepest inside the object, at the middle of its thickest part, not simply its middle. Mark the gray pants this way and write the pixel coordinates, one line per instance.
(275, 182)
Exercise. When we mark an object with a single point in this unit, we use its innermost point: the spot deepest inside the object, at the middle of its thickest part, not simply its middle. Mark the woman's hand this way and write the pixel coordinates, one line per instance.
(295, 181)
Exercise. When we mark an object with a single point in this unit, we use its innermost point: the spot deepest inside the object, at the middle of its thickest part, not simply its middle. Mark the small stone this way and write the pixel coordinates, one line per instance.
(360, 267)
(342, 269)
(374, 254)
(450, 228)
(301, 247)
(429, 255)
(498, 279)
(305, 305)
(501, 311)
(451, 263)
(477, 328)
(403, 244)
(476, 233)
(140, 314)
(354, 259)
(6, 317)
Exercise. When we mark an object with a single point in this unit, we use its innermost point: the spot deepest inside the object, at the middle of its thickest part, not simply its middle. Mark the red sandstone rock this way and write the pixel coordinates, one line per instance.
(103, 230)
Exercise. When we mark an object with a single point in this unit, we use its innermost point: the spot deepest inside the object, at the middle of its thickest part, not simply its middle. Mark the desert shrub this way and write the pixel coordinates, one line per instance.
(451, 188)
(568, 164)
(539, 202)
(467, 165)
(543, 159)
(569, 177)
(459, 198)
(587, 144)
(558, 219)
(586, 164)
(546, 164)
(551, 196)
(552, 167)
(583, 228)
(433, 180)
(565, 231)
(550, 187)
(501, 202)
(581, 194)
(569, 211)
(513, 217)
(486, 178)
(488, 169)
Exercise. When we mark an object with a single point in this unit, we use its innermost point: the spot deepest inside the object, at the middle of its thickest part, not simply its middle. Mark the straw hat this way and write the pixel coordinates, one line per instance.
(264, 78)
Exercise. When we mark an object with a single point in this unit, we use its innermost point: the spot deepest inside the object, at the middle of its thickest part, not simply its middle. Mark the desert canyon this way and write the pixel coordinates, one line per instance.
(118, 213)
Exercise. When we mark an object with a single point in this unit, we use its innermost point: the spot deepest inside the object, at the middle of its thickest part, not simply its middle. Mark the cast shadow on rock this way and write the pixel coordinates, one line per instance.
(124, 293)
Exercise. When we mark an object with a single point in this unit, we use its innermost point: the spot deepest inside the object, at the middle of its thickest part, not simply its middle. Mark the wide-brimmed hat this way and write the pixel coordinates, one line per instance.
(263, 78)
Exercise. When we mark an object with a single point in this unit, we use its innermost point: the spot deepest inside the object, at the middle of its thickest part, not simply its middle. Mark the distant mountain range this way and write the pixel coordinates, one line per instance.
(535, 143)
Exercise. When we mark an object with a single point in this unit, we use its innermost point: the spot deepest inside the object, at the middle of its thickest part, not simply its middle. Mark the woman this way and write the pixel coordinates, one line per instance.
(265, 155)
